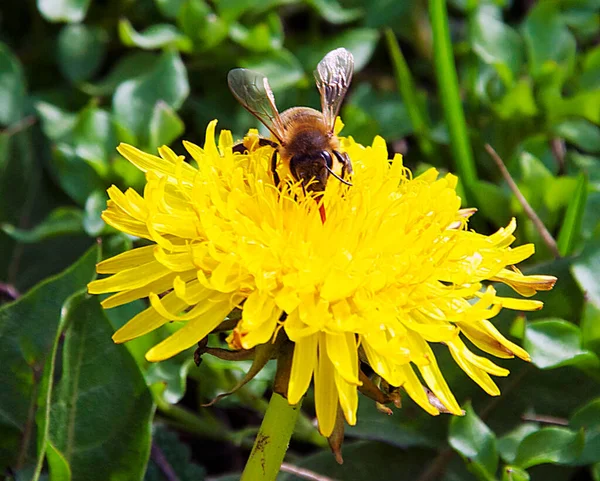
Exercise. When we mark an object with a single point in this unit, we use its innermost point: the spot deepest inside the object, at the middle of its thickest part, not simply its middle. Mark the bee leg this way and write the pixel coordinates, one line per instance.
(239, 148)
(345, 161)
(276, 178)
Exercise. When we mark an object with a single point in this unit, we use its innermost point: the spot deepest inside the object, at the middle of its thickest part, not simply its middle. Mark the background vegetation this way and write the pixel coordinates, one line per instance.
(77, 77)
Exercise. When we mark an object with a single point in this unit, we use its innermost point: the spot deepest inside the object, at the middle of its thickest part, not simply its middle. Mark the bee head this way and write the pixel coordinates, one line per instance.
(312, 169)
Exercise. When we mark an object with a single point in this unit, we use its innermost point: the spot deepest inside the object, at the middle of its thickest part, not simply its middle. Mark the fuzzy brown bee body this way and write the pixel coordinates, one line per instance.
(304, 138)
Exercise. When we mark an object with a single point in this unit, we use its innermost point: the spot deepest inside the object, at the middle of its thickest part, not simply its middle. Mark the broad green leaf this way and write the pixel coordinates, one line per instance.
(397, 15)
(261, 37)
(128, 67)
(281, 68)
(93, 138)
(550, 445)
(590, 328)
(588, 419)
(27, 330)
(585, 270)
(56, 122)
(12, 87)
(580, 132)
(579, 105)
(94, 205)
(169, 8)
(200, 23)
(165, 126)
(570, 231)
(154, 37)
(135, 99)
(61, 221)
(547, 38)
(360, 41)
(81, 50)
(333, 12)
(514, 473)
(590, 76)
(492, 201)
(554, 343)
(102, 409)
(475, 442)
(509, 443)
(76, 177)
(518, 101)
(172, 373)
(63, 10)
(496, 43)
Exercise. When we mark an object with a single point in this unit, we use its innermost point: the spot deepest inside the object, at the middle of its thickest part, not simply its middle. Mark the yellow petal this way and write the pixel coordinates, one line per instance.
(348, 398)
(148, 320)
(342, 351)
(126, 260)
(326, 397)
(303, 366)
(192, 332)
(129, 279)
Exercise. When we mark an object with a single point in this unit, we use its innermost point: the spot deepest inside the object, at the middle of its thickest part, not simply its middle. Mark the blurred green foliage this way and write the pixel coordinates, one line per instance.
(77, 77)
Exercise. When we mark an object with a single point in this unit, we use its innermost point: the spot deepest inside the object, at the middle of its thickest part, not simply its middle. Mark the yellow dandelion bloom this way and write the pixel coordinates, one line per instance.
(392, 270)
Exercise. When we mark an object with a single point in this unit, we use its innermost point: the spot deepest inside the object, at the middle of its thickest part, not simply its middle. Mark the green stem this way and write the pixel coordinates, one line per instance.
(272, 440)
(447, 80)
(406, 87)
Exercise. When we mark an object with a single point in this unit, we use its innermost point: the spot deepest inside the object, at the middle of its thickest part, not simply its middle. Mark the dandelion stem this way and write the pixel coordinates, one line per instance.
(272, 440)
(537, 222)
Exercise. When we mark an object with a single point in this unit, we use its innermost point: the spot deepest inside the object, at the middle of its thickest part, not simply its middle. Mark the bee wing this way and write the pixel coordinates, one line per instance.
(253, 91)
(333, 76)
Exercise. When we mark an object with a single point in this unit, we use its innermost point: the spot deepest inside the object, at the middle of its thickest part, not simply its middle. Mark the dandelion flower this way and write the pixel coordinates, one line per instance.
(391, 271)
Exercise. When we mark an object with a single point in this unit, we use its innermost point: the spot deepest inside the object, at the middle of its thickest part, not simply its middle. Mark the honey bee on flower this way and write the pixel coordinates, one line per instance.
(392, 271)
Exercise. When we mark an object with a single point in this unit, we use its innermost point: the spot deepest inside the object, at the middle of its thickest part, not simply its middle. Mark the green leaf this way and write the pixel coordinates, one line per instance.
(514, 473)
(585, 270)
(93, 138)
(154, 37)
(554, 343)
(200, 23)
(94, 206)
(492, 201)
(281, 68)
(517, 102)
(261, 37)
(76, 177)
(509, 443)
(56, 122)
(102, 409)
(361, 42)
(588, 419)
(169, 8)
(496, 43)
(63, 10)
(61, 221)
(590, 75)
(547, 38)
(550, 445)
(570, 231)
(581, 133)
(129, 66)
(135, 99)
(12, 87)
(81, 50)
(165, 126)
(333, 12)
(590, 327)
(173, 374)
(475, 442)
(27, 330)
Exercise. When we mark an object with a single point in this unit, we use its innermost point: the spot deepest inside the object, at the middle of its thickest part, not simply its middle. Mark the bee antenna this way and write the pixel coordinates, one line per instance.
(337, 176)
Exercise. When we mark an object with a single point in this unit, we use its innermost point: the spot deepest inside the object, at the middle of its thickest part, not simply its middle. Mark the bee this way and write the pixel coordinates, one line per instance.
(304, 138)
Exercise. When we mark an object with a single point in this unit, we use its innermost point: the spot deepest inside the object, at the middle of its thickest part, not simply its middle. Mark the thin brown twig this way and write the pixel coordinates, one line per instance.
(544, 419)
(22, 124)
(537, 222)
(161, 461)
(304, 473)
